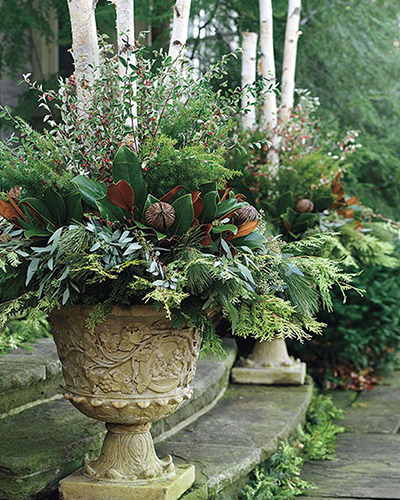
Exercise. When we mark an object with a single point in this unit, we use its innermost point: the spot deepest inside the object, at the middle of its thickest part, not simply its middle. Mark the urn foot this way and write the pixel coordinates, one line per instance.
(80, 487)
(128, 455)
(270, 364)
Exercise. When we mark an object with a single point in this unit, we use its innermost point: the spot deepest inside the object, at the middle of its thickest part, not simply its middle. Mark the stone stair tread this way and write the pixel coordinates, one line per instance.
(239, 433)
(42, 444)
(29, 375)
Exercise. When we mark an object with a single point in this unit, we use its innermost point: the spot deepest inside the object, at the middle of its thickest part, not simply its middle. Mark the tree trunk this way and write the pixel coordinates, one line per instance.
(269, 119)
(179, 28)
(84, 45)
(289, 60)
(125, 30)
(249, 60)
(126, 39)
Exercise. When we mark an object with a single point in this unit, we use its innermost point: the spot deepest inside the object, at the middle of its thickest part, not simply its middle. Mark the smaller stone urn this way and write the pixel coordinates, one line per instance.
(270, 364)
(134, 369)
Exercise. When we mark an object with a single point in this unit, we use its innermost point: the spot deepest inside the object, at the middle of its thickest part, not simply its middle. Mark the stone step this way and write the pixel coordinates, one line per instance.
(242, 431)
(28, 377)
(239, 433)
(44, 443)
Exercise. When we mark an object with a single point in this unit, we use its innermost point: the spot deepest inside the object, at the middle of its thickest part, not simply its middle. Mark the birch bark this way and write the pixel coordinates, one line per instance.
(84, 44)
(180, 28)
(269, 118)
(289, 60)
(125, 10)
(249, 61)
(125, 30)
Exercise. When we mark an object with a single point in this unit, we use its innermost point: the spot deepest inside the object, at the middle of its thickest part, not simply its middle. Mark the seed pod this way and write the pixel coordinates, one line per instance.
(244, 214)
(160, 216)
(304, 205)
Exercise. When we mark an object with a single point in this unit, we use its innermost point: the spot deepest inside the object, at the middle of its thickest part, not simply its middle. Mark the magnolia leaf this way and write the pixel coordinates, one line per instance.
(172, 193)
(252, 241)
(8, 212)
(91, 191)
(126, 167)
(56, 206)
(225, 227)
(109, 211)
(209, 186)
(245, 229)
(284, 201)
(210, 207)
(197, 203)
(229, 205)
(184, 215)
(38, 208)
(74, 208)
(121, 194)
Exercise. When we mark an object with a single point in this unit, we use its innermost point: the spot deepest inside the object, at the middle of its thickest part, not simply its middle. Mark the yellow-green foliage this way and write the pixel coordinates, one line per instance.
(190, 165)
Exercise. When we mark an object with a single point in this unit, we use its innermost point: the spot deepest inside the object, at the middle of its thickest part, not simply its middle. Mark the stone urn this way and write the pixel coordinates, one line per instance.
(133, 370)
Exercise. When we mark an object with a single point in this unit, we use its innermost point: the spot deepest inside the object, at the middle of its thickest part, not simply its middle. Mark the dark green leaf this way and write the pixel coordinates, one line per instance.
(210, 208)
(252, 241)
(228, 205)
(127, 167)
(184, 215)
(91, 191)
(74, 207)
(225, 227)
(109, 211)
(56, 206)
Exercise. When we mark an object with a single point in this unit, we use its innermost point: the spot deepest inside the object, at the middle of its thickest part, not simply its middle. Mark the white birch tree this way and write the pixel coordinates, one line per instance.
(125, 25)
(289, 60)
(180, 28)
(85, 46)
(125, 30)
(249, 69)
(269, 111)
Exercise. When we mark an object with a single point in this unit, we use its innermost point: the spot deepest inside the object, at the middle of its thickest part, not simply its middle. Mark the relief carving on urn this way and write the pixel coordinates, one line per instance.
(131, 371)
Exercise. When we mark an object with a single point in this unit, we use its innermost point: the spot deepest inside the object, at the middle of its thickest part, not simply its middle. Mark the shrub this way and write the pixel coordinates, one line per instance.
(362, 336)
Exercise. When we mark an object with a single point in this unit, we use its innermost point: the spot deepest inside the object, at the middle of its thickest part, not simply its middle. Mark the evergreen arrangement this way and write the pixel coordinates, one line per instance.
(109, 206)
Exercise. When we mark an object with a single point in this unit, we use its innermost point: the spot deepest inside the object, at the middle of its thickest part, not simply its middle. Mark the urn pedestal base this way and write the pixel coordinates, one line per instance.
(270, 364)
(278, 375)
(80, 487)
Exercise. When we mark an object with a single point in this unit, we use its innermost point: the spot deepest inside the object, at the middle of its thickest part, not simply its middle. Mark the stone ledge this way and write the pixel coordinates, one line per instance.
(47, 442)
(242, 431)
(29, 376)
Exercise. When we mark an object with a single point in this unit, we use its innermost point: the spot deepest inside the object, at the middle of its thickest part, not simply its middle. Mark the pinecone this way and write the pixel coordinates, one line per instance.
(244, 214)
(160, 216)
(304, 205)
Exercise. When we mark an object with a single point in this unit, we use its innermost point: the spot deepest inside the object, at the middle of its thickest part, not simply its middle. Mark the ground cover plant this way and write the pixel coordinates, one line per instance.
(278, 478)
(109, 206)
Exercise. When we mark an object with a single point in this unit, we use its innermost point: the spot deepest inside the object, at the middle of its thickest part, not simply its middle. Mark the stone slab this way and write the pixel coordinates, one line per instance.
(29, 376)
(364, 467)
(45, 443)
(229, 441)
(79, 487)
(375, 411)
(292, 375)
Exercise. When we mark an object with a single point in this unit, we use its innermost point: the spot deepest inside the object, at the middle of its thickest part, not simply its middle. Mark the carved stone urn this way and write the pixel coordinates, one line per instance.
(134, 369)
(270, 364)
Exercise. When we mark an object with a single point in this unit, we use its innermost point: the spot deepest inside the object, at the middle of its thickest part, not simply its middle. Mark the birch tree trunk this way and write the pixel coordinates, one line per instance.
(180, 28)
(125, 10)
(249, 61)
(125, 30)
(289, 59)
(269, 112)
(84, 44)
